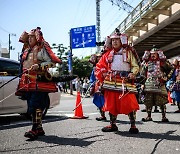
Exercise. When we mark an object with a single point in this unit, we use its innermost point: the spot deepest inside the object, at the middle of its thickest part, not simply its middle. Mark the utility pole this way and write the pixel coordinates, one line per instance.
(10, 47)
(98, 24)
(121, 4)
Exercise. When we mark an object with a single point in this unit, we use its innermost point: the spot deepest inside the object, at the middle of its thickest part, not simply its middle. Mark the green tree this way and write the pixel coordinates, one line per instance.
(82, 67)
(62, 54)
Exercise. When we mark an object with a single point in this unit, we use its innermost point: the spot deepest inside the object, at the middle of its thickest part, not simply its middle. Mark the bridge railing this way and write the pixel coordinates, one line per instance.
(142, 8)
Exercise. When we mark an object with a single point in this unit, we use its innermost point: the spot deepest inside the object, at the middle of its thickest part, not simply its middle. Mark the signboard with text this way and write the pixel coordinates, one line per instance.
(82, 37)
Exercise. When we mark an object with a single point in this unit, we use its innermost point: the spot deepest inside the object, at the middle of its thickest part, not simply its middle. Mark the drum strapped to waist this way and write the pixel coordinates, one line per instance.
(118, 81)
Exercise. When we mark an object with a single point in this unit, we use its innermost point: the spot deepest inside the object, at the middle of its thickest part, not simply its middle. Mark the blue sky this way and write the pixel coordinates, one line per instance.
(56, 18)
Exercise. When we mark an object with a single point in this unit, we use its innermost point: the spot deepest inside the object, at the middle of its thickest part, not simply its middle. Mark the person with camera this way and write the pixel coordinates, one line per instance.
(116, 70)
(36, 81)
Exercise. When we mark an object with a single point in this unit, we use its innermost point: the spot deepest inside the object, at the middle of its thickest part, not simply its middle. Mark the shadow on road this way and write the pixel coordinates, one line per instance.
(81, 142)
(170, 122)
(56, 141)
(10, 122)
(147, 135)
(158, 137)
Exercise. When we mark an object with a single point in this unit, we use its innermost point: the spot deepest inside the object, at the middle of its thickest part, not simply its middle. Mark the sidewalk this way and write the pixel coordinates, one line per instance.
(68, 93)
(74, 94)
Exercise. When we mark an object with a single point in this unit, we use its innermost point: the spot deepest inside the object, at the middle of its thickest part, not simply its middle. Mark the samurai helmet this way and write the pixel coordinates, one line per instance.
(38, 34)
(154, 50)
(116, 34)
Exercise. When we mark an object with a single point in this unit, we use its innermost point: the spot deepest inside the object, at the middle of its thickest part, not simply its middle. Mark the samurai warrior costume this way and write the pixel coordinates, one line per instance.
(119, 89)
(36, 84)
(156, 72)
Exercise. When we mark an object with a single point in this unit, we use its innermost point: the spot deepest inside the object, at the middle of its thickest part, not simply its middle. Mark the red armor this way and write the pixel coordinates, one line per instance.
(29, 80)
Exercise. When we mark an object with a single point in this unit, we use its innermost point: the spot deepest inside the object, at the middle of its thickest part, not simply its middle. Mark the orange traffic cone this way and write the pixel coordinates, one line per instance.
(78, 114)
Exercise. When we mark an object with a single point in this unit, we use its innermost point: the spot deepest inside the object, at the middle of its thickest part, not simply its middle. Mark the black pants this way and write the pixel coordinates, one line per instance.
(37, 100)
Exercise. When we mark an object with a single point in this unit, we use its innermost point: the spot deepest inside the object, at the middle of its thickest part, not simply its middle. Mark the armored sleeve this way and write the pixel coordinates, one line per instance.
(44, 58)
(133, 63)
(167, 68)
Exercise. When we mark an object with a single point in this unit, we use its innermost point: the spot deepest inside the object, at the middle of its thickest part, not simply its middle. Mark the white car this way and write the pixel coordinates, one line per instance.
(9, 103)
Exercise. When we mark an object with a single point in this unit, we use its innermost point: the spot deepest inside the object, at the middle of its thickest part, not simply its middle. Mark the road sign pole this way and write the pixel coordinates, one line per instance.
(98, 24)
(70, 63)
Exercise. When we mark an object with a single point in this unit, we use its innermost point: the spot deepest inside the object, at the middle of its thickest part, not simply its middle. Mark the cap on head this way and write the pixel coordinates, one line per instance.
(94, 58)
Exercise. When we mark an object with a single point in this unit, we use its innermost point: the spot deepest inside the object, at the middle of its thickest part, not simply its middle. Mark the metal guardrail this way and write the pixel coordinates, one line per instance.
(142, 8)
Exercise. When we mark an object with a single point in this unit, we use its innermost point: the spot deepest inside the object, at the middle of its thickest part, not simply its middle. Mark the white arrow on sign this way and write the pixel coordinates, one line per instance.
(83, 43)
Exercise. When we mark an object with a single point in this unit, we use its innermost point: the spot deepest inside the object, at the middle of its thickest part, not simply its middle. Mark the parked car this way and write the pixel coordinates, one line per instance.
(9, 103)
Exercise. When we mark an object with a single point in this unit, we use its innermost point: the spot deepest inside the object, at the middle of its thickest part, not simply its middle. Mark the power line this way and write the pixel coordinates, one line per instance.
(111, 24)
(122, 5)
(116, 17)
(4, 30)
(76, 13)
(107, 12)
(85, 11)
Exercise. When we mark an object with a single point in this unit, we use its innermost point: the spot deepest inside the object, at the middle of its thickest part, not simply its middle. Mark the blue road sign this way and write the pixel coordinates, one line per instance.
(82, 37)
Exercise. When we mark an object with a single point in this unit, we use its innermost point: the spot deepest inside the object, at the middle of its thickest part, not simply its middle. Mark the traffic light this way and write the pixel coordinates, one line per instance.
(100, 43)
